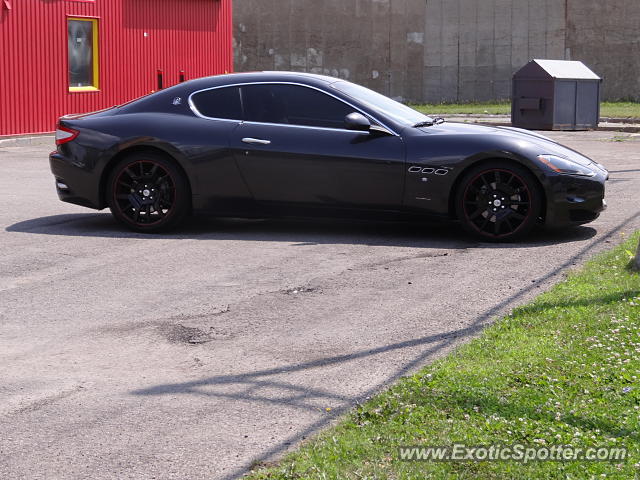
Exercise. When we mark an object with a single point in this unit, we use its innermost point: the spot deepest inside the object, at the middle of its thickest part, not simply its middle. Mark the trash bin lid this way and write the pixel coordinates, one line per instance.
(566, 69)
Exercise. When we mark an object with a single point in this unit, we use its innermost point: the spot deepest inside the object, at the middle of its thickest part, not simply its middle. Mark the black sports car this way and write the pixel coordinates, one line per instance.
(277, 143)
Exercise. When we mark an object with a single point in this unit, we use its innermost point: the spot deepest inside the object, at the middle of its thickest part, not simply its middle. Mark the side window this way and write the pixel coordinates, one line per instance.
(219, 103)
(293, 105)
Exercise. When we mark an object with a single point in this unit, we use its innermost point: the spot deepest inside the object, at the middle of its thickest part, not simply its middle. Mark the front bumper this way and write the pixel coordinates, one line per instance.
(573, 200)
(82, 186)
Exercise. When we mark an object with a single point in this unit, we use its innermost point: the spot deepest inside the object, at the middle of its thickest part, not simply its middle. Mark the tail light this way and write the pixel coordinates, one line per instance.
(65, 134)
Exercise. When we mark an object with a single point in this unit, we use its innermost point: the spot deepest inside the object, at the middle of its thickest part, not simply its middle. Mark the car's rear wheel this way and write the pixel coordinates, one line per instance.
(498, 201)
(148, 193)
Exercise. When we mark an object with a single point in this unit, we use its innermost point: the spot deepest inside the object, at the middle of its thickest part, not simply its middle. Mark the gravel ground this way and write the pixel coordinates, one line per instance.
(194, 354)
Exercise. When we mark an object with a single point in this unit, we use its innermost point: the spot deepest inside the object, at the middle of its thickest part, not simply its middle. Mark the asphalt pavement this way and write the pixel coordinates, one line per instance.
(197, 353)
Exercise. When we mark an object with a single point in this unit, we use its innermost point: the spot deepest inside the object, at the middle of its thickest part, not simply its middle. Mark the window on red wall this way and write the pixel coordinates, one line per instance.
(82, 41)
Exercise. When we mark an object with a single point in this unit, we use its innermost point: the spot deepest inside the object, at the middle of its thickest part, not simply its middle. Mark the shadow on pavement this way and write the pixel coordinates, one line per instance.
(300, 232)
(291, 394)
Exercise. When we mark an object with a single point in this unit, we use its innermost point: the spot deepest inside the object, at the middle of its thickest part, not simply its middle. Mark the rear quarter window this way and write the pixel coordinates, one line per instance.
(221, 103)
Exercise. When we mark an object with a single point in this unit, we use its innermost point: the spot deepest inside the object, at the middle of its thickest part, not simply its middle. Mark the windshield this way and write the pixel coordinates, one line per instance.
(377, 102)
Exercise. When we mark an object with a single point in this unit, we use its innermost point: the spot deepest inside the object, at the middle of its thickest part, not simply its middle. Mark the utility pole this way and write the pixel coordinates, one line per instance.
(636, 261)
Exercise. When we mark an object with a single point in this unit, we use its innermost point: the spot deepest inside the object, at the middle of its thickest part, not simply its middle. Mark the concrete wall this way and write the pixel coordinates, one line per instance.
(606, 36)
(439, 50)
(475, 46)
(378, 43)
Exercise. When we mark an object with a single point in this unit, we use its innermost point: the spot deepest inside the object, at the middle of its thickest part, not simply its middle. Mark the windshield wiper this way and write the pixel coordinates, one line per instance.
(429, 123)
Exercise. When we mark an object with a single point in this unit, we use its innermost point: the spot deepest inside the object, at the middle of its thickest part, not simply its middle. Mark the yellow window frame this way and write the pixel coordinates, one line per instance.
(95, 56)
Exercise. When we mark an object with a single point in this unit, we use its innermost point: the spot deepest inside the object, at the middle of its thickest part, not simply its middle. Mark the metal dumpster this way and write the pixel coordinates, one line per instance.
(555, 95)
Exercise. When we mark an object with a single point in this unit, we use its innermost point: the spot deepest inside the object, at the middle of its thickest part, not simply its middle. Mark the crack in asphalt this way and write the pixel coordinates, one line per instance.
(365, 266)
(45, 402)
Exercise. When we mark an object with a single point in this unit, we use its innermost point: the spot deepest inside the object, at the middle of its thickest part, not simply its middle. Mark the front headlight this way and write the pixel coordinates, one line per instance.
(565, 166)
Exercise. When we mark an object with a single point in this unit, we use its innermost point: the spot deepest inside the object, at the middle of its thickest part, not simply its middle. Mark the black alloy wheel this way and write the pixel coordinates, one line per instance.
(148, 193)
(498, 201)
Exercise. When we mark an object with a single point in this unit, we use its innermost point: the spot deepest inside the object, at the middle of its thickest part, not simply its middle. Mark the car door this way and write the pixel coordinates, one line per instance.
(293, 149)
(213, 162)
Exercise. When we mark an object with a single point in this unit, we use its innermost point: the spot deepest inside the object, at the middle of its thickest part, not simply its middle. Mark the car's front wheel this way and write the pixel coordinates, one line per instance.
(498, 201)
(148, 193)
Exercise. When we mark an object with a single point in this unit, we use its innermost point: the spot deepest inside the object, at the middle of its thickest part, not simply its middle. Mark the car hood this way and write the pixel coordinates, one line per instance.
(534, 141)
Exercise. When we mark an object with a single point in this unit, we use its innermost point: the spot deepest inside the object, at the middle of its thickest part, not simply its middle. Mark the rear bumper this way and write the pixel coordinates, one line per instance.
(574, 200)
(75, 184)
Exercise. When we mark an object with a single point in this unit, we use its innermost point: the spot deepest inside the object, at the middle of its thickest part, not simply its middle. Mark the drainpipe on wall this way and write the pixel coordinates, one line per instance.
(567, 50)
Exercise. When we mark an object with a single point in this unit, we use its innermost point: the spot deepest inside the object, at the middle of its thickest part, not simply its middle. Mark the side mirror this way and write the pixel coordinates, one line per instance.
(357, 121)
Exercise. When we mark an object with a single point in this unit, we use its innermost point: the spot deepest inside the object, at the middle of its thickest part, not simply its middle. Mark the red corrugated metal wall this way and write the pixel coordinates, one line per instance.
(190, 35)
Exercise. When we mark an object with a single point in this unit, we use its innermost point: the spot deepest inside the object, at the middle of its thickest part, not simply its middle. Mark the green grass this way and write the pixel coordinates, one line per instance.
(562, 370)
(607, 109)
(495, 108)
(620, 109)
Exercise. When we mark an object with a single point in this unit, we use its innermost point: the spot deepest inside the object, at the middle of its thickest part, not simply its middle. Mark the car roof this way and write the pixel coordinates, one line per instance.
(248, 77)
(158, 101)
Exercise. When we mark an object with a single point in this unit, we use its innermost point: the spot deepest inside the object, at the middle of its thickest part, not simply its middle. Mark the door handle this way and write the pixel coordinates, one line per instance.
(256, 141)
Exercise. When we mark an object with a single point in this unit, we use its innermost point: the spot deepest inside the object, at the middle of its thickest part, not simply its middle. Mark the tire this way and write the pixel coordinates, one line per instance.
(148, 193)
(498, 201)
